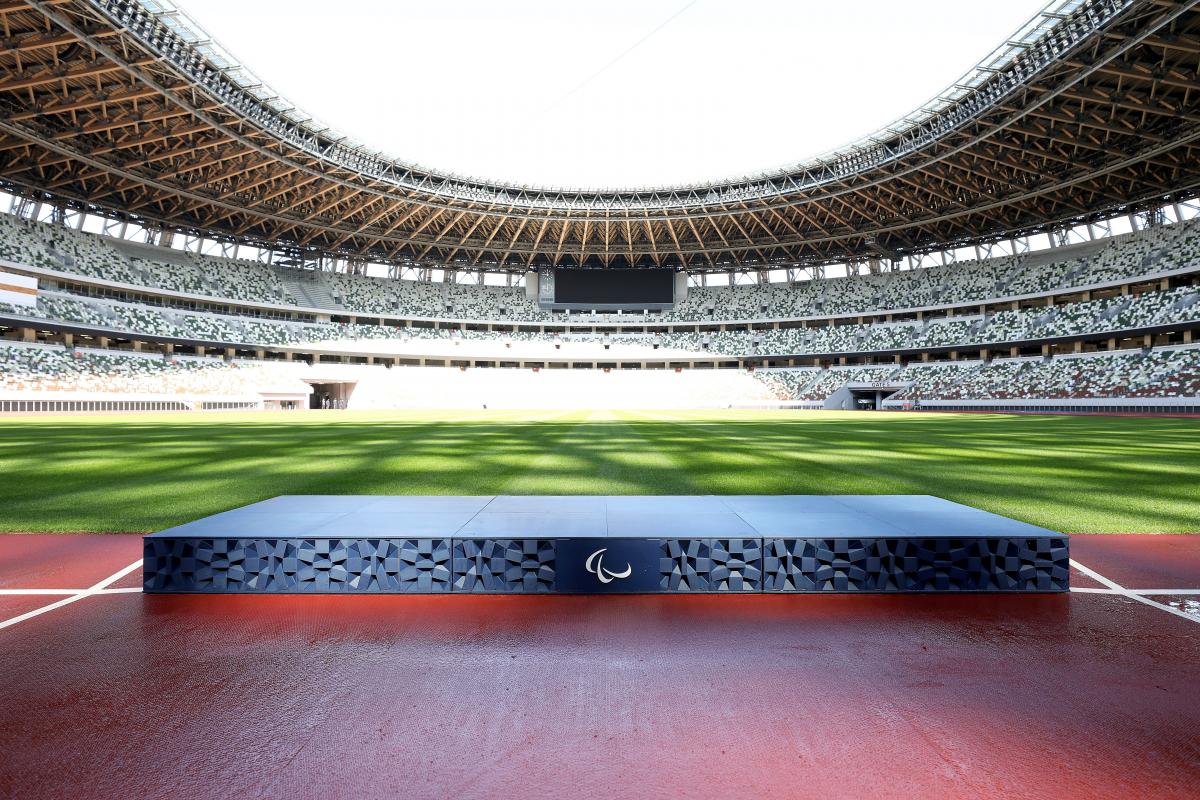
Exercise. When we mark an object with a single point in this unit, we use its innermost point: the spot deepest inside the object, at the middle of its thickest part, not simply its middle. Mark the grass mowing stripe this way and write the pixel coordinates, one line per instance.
(144, 472)
(852, 480)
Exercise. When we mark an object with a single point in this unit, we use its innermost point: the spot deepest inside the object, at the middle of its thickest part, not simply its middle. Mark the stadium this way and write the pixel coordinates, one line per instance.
(265, 392)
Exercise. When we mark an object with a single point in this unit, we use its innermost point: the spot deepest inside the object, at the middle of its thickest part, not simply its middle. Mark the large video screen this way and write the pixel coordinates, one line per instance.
(600, 287)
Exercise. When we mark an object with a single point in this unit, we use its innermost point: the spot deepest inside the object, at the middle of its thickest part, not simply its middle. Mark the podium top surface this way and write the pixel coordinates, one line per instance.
(599, 517)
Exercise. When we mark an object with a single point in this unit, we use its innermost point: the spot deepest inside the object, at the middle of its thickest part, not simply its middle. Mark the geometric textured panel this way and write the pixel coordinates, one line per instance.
(1040, 563)
(503, 565)
(607, 545)
(916, 564)
(711, 565)
(788, 563)
(912, 564)
(297, 565)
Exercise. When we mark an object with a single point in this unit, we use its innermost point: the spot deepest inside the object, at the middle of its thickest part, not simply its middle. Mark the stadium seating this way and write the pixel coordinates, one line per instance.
(1113, 314)
(37, 368)
(1160, 250)
(1138, 303)
(1167, 373)
(1171, 373)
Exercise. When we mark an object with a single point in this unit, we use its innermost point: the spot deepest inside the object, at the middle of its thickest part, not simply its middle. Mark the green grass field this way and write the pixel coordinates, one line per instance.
(141, 473)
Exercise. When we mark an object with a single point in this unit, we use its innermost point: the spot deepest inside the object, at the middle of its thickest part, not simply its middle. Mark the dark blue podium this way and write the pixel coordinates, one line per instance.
(349, 544)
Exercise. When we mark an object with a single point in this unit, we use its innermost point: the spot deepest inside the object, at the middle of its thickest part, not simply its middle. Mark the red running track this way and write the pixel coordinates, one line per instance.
(125, 695)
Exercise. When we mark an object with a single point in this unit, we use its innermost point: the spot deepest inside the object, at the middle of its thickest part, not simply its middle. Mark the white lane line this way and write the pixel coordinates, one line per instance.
(119, 590)
(1118, 589)
(40, 591)
(1143, 592)
(1165, 591)
(99, 588)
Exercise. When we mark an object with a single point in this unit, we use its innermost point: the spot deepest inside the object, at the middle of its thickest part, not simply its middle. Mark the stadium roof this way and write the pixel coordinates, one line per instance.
(1088, 110)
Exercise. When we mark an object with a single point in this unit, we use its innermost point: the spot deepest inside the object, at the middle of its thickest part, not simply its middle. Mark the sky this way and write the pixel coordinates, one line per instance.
(618, 93)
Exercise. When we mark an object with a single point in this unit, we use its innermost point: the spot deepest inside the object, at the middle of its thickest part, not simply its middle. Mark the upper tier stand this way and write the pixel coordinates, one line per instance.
(793, 543)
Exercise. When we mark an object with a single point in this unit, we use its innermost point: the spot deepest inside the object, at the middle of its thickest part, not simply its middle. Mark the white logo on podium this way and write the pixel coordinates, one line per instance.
(595, 565)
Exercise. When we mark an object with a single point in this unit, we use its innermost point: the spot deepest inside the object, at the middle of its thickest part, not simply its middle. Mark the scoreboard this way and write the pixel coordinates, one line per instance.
(598, 288)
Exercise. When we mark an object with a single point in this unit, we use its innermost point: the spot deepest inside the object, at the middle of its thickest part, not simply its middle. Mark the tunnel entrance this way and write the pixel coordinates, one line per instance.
(331, 395)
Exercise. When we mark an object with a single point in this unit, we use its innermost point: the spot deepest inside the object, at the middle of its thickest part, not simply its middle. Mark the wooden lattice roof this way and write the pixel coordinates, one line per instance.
(106, 104)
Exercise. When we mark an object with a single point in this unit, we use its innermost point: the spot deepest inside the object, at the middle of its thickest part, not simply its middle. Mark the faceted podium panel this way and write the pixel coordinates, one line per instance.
(296, 565)
(597, 545)
(711, 565)
(916, 565)
(504, 565)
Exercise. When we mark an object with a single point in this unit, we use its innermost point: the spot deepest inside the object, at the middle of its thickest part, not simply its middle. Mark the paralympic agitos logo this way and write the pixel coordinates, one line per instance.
(595, 565)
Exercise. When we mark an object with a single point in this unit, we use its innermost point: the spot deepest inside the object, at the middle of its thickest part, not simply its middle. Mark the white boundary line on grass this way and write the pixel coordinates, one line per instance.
(99, 588)
(1116, 588)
